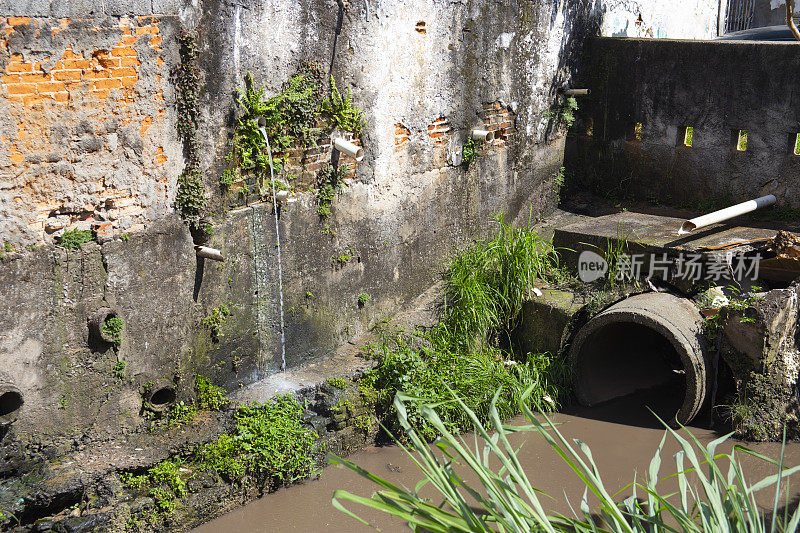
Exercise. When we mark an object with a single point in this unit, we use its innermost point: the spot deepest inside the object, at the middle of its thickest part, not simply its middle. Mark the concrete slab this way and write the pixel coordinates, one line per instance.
(650, 234)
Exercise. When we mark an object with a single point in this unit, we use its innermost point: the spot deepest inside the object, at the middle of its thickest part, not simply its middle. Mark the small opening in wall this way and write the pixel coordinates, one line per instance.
(796, 149)
(163, 397)
(635, 132)
(420, 27)
(10, 402)
(688, 136)
(741, 141)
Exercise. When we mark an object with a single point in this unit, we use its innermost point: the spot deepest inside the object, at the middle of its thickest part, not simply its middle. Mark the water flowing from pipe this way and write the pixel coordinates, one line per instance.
(278, 245)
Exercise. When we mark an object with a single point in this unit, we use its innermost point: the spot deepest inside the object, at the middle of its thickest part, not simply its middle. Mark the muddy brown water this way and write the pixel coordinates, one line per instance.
(622, 439)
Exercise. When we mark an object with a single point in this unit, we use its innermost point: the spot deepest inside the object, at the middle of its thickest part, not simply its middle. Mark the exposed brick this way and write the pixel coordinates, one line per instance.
(22, 88)
(77, 64)
(122, 72)
(32, 99)
(127, 40)
(97, 74)
(155, 41)
(110, 83)
(19, 67)
(67, 75)
(144, 30)
(16, 21)
(33, 78)
(100, 93)
(61, 97)
(129, 81)
(129, 62)
(69, 54)
(51, 87)
(123, 52)
(9, 79)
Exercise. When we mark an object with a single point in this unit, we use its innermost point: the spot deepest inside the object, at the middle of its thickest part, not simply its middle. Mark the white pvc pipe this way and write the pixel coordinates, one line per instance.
(348, 148)
(725, 214)
(576, 92)
(483, 135)
(208, 253)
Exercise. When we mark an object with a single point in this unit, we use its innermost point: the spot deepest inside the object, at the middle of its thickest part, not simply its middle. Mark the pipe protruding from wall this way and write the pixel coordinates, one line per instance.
(162, 396)
(207, 252)
(11, 402)
(576, 92)
(648, 342)
(348, 148)
(482, 135)
(726, 214)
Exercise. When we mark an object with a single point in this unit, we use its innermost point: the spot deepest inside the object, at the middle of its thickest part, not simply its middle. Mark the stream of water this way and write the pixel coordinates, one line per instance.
(622, 441)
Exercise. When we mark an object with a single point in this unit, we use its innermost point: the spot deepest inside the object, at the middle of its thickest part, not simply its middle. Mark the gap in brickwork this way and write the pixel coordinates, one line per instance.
(421, 27)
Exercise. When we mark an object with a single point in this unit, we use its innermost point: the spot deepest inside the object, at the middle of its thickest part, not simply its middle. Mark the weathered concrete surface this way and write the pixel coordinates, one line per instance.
(718, 88)
(546, 322)
(697, 19)
(758, 343)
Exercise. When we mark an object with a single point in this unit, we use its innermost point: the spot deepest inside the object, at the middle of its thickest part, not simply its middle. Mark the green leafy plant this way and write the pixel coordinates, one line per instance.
(485, 488)
(342, 112)
(112, 329)
(164, 483)
(269, 442)
(467, 152)
(330, 180)
(124, 237)
(343, 258)
(75, 238)
(215, 320)
(181, 413)
(119, 370)
(208, 395)
(190, 198)
(337, 382)
(363, 298)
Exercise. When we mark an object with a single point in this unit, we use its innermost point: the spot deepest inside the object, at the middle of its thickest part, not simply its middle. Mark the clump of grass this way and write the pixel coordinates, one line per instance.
(75, 238)
(469, 349)
(713, 493)
(269, 443)
(119, 370)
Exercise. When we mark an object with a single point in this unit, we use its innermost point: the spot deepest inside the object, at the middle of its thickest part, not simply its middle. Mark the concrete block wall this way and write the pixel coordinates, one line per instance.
(630, 140)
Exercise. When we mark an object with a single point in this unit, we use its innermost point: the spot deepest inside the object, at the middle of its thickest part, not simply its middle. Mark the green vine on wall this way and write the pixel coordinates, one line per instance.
(297, 116)
(190, 199)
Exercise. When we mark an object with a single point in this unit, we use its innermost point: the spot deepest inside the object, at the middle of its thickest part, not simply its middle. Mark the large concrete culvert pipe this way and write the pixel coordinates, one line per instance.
(650, 341)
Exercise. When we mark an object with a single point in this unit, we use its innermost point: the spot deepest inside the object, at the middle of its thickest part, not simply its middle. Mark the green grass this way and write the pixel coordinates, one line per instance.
(75, 238)
(468, 350)
(483, 487)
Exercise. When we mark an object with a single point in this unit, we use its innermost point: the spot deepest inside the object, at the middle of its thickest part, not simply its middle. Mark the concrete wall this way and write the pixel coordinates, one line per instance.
(718, 88)
(693, 19)
(89, 140)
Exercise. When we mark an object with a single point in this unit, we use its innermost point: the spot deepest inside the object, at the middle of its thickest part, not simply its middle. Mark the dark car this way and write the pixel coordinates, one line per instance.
(767, 33)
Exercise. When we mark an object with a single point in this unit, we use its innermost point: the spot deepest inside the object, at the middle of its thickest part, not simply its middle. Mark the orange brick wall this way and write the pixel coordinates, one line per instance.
(86, 142)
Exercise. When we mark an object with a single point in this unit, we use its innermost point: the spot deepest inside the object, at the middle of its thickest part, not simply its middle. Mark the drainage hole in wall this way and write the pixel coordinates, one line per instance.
(420, 27)
(10, 402)
(163, 396)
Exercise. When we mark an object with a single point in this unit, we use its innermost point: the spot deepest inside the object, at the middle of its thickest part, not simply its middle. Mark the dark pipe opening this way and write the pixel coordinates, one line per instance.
(633, 367)
(10, 402)
(163, 397)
